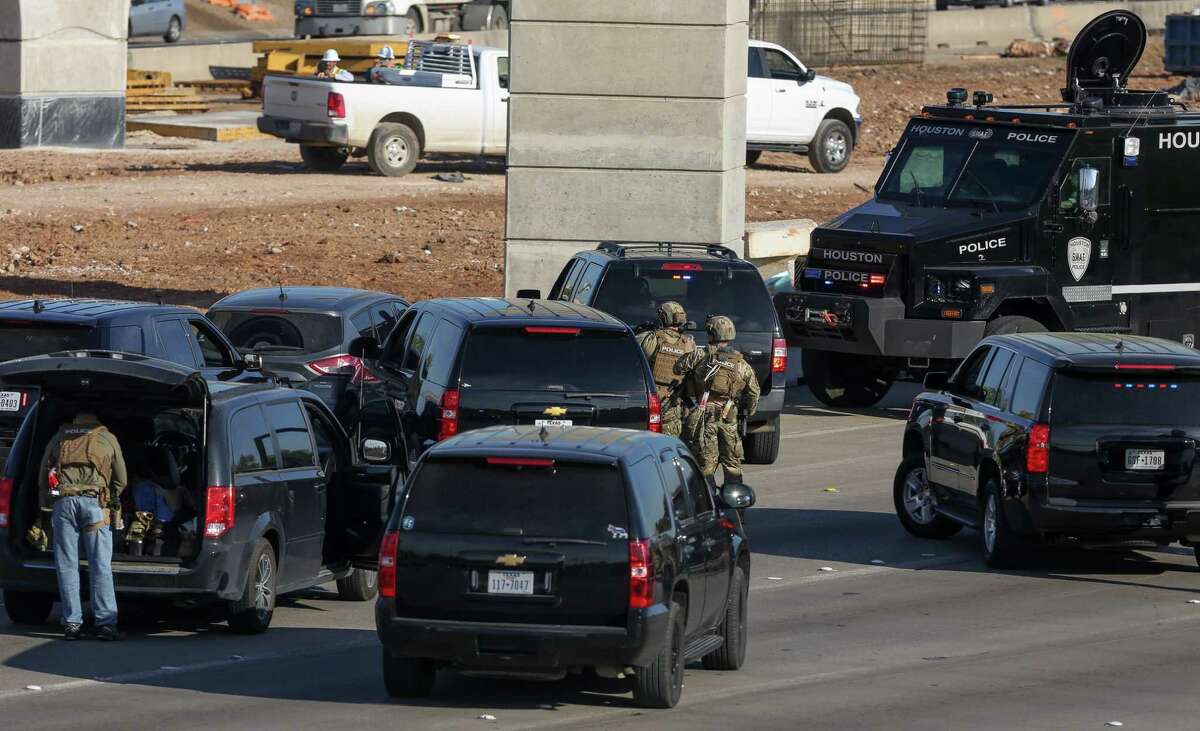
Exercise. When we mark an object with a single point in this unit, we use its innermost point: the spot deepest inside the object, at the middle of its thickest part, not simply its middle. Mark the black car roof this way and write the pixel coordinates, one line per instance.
(714, 253)
(1097, 349)
(579, 444)
(308, 298)
(84, 311)
(493, 310)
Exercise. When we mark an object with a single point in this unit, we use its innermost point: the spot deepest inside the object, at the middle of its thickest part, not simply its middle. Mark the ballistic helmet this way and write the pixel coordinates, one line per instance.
(671, 314)
(720, 329)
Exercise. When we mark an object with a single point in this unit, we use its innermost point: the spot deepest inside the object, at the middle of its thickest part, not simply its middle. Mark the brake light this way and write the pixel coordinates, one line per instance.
(874, 280)
(519, 462)
(641, 575)
(1144, 367)
(387, 564)
(1037, 453)
(682, 267)
(540, 330)
(654, 406)
(779, 355)
(6, 488)
(335, 105)
(218, 511)
(448, 422)
(335, 365)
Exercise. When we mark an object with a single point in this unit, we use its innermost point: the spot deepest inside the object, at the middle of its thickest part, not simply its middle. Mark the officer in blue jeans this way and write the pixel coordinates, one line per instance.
(83, 474)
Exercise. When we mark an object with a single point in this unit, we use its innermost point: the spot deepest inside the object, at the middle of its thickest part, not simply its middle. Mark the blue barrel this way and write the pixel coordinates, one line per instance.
(1182, 40)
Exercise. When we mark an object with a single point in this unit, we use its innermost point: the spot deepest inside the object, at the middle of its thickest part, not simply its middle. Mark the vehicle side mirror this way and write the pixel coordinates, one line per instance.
(252, 362)
(1089, 189)
(737, 496)
(807, 76)
(936, 381)
(529, 294)
(365, 348)
(376, 451)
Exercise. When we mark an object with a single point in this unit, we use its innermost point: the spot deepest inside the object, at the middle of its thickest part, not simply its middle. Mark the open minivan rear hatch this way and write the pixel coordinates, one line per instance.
(89, 374)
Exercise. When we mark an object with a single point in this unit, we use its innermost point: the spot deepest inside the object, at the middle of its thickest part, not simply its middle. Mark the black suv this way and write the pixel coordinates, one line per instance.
(530, 552)
(179, 334)
(279, 503)
(456, 364)
(631, 281)
(1076, 437)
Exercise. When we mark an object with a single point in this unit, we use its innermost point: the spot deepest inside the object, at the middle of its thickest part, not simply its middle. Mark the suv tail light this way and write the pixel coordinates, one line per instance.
(1037, 453)
(6, 488)
(387, 564)
(654, 422)
(218, 511)
(335, 365)
(779, 355)
(448, 422)
(641, 575)
(335, 105)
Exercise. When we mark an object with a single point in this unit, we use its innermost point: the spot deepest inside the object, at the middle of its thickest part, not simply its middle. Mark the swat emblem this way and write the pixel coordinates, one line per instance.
(1079, 255)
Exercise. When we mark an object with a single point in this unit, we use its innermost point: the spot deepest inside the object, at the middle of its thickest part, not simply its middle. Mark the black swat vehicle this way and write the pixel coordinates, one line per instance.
(1001, 219)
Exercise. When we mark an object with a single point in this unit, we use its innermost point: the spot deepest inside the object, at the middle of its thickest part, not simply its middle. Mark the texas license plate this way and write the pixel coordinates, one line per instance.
(553, 422)
(510, 582)
(10, 401)
(1145, 459)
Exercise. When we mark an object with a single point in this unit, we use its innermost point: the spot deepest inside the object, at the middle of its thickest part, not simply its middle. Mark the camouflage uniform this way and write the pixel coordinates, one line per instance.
(664, 347)
(719, 378)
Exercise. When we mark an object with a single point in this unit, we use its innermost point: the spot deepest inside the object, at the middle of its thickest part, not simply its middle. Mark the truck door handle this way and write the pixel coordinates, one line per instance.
(504, 100)
(781, 91)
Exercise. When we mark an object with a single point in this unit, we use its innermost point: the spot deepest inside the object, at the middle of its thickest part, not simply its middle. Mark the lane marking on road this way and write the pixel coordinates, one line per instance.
(864, 571)
(841, 430)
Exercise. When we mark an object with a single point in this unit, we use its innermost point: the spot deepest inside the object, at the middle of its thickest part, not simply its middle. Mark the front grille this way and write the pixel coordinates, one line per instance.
(339, 7)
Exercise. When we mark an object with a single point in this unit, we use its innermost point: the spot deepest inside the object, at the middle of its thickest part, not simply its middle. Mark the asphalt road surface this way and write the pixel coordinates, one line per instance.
(901, 633)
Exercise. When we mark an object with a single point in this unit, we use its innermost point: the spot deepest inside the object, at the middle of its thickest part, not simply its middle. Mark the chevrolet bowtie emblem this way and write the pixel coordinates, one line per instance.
(555, 411)
(510, 560)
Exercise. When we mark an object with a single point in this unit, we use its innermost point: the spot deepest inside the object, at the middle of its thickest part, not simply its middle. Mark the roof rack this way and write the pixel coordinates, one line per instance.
(619, 250)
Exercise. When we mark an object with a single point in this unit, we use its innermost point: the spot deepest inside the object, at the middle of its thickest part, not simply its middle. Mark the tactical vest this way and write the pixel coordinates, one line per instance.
(82, 447)
(672, 345)
(727, 381)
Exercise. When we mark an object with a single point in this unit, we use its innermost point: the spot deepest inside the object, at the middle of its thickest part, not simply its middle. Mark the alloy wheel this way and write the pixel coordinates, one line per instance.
(262, 584)
(918, 497)
(989, 524)
(395, 151)
(835, 148)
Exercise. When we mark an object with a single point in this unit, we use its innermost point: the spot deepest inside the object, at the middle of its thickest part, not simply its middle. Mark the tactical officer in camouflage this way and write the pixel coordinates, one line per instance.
(664, 346)
(82, 475)
(722, 382)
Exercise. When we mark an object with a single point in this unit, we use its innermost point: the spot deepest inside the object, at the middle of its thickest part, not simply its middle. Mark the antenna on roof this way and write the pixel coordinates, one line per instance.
(282, 294)
(531, 305)
(38, 307)
(1120, 346)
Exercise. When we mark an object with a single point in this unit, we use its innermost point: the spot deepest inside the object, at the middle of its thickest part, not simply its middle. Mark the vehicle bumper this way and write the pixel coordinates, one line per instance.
(325, 27)
(294, 130)
(871, 326)
(770, 406)
(508, 647)
(1163, 522)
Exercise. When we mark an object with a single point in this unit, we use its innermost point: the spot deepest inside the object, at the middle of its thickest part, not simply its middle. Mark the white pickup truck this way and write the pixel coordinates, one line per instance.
(451, 98)
(791, 109)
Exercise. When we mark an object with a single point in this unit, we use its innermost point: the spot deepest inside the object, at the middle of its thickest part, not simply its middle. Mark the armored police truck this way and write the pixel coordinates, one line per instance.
(990, 219)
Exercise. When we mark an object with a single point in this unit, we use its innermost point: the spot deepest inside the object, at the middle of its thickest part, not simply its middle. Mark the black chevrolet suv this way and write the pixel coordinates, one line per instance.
(1085, 438)
(529, 552)
(630, 281)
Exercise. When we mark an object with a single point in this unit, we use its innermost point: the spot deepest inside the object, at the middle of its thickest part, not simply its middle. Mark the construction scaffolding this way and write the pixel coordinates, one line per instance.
(828, 32)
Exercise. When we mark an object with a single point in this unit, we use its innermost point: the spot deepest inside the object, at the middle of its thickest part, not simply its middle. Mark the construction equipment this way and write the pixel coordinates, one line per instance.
(152, 91)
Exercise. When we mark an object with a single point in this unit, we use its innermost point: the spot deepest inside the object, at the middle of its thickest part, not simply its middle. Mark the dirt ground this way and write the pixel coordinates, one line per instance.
(187, 222)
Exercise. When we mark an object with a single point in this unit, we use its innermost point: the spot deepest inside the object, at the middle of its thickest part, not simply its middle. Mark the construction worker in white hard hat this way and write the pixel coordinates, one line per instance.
(328, 67)
(385, 60)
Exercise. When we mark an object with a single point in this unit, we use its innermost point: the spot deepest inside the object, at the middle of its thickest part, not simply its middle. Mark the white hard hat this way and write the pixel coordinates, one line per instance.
(386, 53)
(331, 55)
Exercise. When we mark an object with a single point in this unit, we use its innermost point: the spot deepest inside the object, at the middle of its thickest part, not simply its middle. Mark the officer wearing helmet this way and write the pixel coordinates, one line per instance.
(329, 69)
(722, 382)
(664, 346)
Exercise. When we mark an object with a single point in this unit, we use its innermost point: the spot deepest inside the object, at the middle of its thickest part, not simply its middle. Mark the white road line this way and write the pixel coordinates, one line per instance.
(841, 430)
(929, 563)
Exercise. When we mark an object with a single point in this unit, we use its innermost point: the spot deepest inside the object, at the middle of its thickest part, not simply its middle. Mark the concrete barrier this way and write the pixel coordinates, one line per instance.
(995, 28)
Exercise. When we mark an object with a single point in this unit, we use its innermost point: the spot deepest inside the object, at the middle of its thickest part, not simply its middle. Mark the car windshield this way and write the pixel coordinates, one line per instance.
(1127, 400)
(514, 359)
(22, 341)
(564, 500)
(974, 166)
(634, 295)
(280, 331)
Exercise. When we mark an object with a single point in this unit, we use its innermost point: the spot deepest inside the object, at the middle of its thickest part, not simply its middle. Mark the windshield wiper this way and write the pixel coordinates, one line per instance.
(991, 196)
(572, 541)
(917, 192)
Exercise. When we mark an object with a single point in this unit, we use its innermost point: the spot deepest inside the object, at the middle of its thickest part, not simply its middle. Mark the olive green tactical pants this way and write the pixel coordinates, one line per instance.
(714, 440)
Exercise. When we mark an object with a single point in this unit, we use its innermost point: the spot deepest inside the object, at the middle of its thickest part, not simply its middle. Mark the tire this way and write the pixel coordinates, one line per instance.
(914, 501)
(1009, 324)
(393, 150)
(252, 613)
(499, 19)
(844, 380)
(1195, 551)
(762, 447)
(323, 159)
(360, 586)
(1001, 547)
(25, 607)
(408, 677)
(731, 655)
(660, 684)
(752, 157)
(174, 30)
(412, 22)
(832, 147)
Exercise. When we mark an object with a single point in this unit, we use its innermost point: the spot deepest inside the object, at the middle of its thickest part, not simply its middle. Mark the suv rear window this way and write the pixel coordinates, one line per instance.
(1118, 400)
(703, 293)
(471, 497)
(511, 359)
(279, 332)
(21, 341)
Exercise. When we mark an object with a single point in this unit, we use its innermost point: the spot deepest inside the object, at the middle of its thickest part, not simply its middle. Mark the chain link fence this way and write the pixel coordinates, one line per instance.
(827, 32)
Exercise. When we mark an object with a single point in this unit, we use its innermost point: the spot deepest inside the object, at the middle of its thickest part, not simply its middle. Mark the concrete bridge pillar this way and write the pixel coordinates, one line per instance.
(62, 72)
(627, 123)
